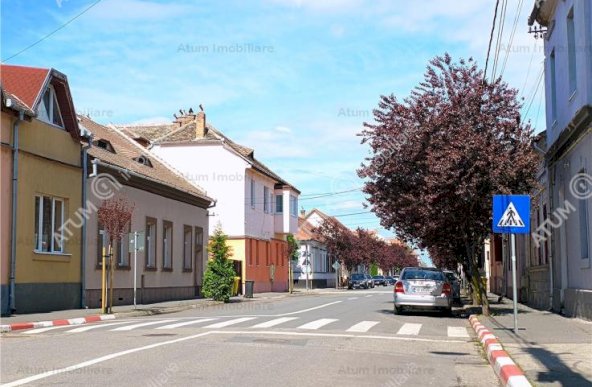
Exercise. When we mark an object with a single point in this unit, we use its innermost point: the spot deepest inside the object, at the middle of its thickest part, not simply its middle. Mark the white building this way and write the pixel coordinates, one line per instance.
(568, 86)
(255, 207)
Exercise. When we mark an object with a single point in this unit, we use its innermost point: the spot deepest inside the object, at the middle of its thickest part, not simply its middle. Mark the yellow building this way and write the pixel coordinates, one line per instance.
(41, 177)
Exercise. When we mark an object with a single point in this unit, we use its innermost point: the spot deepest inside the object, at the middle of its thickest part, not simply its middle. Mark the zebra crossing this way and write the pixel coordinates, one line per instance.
(256, 323)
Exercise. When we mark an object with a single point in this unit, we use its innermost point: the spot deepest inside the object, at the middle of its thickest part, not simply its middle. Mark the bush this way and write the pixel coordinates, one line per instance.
(219, 275)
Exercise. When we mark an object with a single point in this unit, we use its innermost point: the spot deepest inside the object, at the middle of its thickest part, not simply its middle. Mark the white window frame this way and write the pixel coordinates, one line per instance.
(187, 247)
(52, 100)
(167, 245)
(151, 252)
(59, 233)
(571, 51)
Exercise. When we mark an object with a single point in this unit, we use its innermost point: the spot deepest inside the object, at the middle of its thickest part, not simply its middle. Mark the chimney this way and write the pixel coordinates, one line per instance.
(200, 125)
(302, 213)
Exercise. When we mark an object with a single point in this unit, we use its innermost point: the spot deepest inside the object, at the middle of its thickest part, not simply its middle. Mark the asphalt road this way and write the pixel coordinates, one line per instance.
(343, 338)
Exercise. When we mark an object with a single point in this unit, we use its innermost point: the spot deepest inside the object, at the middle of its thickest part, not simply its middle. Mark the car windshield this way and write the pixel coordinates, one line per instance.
(357, 276)
(450, 276)
(423, 275)
(378, 277)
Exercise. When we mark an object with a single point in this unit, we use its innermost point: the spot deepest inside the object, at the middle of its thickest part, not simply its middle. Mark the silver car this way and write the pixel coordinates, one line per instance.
(422, 288)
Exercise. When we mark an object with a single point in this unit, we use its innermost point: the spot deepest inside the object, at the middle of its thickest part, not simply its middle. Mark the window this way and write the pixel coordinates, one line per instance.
(167, 245)
(123, 253)
(583, 211)
(553, 85)
(546, 256)
(187, 236)
(293, 205)
(266, 203)
(571, 50)
(279, 204)
(49, 218)
(150, 244)
(199, 240)
(49, 109)
(252, 193)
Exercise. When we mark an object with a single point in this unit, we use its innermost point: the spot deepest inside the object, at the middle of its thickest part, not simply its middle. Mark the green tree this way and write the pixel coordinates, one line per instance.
(293, 255)
(219, 275)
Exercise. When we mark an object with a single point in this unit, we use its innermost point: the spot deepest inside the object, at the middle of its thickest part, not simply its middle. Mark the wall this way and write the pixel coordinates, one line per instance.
(568, 102)
(45, 281)
(258, 224)
(159, 285)
(5, 207)
(260, 255)
(217, 171)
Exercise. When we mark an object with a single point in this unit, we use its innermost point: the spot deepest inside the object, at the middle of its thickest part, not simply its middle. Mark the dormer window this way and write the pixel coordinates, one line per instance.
(49, 109)
(143, 160)
(104, 144)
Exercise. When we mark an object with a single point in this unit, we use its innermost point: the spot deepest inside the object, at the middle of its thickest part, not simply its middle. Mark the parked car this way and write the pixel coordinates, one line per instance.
(379, 280)
(454, 281)
(422, 288)
(390, 280)
(357, 281)
(370, 280)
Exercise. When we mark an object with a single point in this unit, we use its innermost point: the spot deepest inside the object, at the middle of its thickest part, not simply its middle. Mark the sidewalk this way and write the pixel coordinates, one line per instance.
(552, 350)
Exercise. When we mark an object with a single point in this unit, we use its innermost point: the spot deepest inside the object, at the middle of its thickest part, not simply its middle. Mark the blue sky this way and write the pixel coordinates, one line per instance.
(293, 79)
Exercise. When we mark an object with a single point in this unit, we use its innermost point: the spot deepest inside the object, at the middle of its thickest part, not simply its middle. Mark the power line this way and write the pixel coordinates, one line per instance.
(508, 49)
(500, 35)
(352, 214)
(535, 92)
(490, 39)
(52, 32)
(332, 193)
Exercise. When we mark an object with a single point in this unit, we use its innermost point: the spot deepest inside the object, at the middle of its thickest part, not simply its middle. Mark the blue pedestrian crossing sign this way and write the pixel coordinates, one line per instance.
(511, 214)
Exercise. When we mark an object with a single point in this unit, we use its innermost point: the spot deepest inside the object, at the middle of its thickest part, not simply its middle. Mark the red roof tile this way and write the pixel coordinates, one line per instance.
(24, 82)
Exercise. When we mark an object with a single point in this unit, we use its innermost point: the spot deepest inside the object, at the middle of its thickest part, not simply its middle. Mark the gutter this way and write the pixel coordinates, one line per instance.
(84, 229)
(15, 155)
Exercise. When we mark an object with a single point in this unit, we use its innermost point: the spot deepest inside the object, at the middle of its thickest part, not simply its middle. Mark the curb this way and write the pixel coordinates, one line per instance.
(508, 372)
(55, 323)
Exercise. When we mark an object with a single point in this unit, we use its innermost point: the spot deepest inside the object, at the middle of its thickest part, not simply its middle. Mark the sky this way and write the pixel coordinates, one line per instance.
(293, 79)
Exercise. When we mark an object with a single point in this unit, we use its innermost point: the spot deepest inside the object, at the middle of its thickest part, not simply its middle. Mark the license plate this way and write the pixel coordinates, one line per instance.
(422, 289)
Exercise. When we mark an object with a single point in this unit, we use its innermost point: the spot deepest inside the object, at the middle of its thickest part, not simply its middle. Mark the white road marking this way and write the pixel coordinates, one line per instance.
(95, 326)
(369, 295)
(363, 326)
(272, 323)
(309, 309)
(41, 330)
(229, 322)
(457, 332)
(409, 329)
(317, 323)
(182, 324)
(145, 324)
(353, 298)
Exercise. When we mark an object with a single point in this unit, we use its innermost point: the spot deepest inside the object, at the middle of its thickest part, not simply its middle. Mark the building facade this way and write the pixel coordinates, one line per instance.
(41, 187)
(568, 86)
(169, 214)
(255, 207)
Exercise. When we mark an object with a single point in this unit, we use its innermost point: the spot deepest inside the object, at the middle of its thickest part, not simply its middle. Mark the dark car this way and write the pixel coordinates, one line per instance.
(357, 281)
(453, 279)
(390, 280)
(379, 280)
(370, 280)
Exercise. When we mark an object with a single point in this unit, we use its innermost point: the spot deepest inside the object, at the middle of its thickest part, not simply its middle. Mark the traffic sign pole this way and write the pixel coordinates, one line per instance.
(514, 290)
(135, 265)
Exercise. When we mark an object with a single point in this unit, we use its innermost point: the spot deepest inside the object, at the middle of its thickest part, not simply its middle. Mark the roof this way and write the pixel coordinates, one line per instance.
(127, 150)
(27, 85)
(175, 134)
(306, 229)
(16, 103)
(24, 82)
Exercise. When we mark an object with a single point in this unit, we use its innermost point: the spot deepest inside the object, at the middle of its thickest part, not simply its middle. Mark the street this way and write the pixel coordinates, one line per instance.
(341, 338)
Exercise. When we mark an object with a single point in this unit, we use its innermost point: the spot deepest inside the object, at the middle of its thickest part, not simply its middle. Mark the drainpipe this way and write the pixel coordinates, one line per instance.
(15, 154)
(84, 230)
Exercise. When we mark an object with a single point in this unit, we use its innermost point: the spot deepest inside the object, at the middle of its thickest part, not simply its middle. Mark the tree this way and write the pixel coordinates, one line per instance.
(440, 154)
(115, 215)
(340, 242)
(293, 255)
(219, 275)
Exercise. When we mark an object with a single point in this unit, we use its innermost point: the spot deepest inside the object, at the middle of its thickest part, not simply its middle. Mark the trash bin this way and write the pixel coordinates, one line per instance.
(249, 289)
(235, 286)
